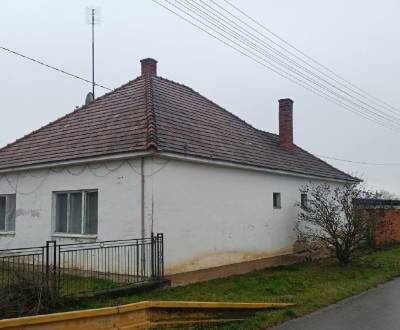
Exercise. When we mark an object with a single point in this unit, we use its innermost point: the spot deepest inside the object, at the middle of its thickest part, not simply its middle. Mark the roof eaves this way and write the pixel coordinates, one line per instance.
(350, 177)
(78, 160)
(215, 160)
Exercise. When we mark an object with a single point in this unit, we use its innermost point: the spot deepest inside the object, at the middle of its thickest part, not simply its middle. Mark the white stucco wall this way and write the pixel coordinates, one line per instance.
(119, 194)
(213, 215)
(210, 215)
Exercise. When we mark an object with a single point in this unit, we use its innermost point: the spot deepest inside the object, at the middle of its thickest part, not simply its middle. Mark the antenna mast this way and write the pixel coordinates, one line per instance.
(93, 12)
(92, 18)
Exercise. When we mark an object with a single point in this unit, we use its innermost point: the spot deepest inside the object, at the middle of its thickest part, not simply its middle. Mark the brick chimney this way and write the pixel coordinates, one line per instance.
(149, 67)
(286, 124)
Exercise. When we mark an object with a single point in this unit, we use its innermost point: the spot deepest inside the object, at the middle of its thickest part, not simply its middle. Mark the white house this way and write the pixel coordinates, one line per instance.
(155, 156)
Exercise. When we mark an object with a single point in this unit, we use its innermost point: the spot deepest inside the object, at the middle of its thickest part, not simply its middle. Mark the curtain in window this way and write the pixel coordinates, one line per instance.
(61, 213)
(91, 213)
(3, 213)
(76, 213)
(10, 212)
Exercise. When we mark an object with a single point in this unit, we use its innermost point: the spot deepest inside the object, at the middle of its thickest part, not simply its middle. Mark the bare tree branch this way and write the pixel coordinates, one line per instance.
(332, 222)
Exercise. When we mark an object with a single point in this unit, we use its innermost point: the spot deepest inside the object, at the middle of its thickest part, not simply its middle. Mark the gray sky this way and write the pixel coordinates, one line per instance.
(358, 39)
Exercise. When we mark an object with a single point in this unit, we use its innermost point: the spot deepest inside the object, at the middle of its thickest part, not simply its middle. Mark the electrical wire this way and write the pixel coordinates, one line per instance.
(17, 191)
(289, 77)
(291, 69)
(358, 162)
(52, 67)
(256, 60)
(151, 174)
(257, 48)
(371, 116)
(313, 60)
(67, 170)
(281, 58)
(116, 168)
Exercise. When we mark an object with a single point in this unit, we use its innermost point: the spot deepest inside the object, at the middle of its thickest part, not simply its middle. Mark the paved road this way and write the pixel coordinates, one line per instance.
(376, 309)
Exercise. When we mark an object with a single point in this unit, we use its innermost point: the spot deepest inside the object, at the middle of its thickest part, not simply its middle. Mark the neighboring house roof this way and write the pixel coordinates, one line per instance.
(373, 202)
(151, 112)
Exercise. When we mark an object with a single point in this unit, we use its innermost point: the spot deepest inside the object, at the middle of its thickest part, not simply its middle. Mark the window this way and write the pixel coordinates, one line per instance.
(276, 200)
(76, 212)
(304, 201)
(7, 212)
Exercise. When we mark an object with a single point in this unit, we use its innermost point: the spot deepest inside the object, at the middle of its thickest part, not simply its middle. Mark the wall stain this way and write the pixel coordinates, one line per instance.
(32, 213)
(221, 258)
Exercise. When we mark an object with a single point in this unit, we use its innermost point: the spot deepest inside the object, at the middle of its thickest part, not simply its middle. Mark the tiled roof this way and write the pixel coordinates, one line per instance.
(155, 113)
(377, 202)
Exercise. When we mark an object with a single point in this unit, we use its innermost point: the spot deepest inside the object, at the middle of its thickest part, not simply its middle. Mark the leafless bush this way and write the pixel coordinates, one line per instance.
(28, 293)
(331, 223)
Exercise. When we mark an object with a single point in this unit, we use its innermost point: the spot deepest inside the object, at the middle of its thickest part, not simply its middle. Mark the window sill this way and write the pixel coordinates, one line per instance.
(7, 233)
(65, 235)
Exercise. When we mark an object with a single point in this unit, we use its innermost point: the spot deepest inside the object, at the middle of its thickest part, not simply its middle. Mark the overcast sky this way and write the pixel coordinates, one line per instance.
(357, 39)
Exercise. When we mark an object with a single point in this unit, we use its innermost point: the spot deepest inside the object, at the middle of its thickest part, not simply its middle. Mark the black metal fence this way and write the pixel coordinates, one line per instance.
(86, 267)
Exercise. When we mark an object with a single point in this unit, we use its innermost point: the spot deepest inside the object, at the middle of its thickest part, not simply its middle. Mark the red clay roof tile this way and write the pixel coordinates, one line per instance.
(153, 112)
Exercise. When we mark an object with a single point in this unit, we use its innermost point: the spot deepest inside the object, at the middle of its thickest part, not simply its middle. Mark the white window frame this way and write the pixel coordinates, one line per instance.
(7, 229)
(84, 193)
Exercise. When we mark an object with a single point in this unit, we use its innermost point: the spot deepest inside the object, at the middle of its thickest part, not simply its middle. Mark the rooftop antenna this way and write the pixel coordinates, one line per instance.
(92, 18)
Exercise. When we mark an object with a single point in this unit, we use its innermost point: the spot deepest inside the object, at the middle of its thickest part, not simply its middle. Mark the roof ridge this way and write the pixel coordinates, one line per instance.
(151, 134)
(78, 109)
(275, 135)
(159, 114)
(264, 133)
(213, 103)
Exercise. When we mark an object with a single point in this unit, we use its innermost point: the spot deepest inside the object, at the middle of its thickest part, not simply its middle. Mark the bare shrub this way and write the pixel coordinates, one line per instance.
(28, 293)
(330, 221)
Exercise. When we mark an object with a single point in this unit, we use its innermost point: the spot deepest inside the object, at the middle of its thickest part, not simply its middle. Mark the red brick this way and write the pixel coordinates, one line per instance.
(386, 227)
(286, 124)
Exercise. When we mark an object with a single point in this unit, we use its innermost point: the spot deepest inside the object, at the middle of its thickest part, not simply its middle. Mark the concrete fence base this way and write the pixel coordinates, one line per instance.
(142, 315)
(232, 269)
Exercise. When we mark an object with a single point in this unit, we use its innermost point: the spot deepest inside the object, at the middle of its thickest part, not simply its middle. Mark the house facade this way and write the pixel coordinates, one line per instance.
(156, 156)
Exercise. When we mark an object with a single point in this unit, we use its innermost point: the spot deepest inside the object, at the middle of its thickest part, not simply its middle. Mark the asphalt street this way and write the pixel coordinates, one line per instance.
(376, 309)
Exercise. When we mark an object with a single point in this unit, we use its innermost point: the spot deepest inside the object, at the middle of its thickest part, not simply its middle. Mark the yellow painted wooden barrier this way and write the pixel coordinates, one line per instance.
(142, 315)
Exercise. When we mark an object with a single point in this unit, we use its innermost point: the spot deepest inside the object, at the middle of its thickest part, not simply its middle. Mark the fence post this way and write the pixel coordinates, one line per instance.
(55, 264)
(152, 255)
(137, 260)
(157, 257)
(47, 260)
(53, 245)
(160, 259)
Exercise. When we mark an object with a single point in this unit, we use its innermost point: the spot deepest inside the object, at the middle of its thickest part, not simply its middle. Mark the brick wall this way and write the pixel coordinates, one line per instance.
(386, 228)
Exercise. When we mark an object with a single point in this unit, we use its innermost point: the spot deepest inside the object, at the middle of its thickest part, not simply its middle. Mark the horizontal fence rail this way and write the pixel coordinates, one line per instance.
(15, 264)
(81, 268)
